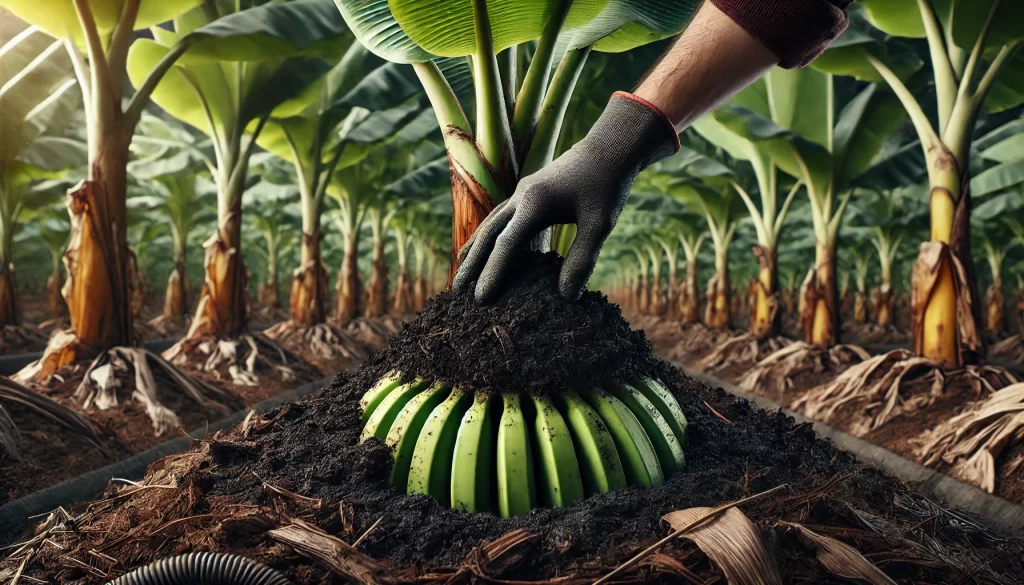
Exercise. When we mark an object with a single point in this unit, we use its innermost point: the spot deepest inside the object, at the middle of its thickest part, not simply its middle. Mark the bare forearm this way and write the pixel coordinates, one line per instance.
(712, 60)
(731, 43)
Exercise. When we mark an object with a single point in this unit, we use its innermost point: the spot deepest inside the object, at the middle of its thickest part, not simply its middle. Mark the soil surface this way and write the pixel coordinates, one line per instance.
(300, 467)
(50, 454)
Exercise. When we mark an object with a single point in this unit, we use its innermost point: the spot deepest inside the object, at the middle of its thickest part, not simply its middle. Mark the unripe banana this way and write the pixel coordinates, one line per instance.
(662, 398)
(375, 395)
(599, 461)
(515, 460)
(430, 470)
(473, 465)
(379, 423)
(561, 483)
(639, 459)
(406, 428)
(670, 452)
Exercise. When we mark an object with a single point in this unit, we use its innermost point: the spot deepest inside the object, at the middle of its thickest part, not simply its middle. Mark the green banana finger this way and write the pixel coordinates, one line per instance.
(561, 484)
(670, 452)
(430, 469)
(639, 459)
(379, 392)
(599, 460)
(473, 464)
(379, 423)
(406, 428)
(662, 398)
(515, 460)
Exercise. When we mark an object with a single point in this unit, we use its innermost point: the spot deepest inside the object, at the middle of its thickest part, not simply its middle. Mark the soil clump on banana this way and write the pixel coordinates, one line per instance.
(528, 340)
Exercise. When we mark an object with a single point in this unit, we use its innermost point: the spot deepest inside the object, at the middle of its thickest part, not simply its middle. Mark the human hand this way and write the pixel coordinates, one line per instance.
(587, 186)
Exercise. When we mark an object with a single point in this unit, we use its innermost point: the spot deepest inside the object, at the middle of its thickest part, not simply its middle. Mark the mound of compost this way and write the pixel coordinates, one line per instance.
(529, 339)
(294, 488)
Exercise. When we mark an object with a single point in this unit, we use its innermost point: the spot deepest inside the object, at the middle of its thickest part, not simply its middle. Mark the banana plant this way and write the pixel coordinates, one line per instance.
(329, 121)
(273, 229)
(708, 185)
(38, 94)
(97, 260)
(769, 211)
(517, 123)
(975, 64)
(886, 219)
(255, 57)
(1000, 232)
(168, 170)
(794, 115)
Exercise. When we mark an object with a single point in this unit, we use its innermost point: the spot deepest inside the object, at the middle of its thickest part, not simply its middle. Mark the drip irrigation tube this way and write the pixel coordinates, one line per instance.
(203, 568)
(1002, 515)
(14, 516)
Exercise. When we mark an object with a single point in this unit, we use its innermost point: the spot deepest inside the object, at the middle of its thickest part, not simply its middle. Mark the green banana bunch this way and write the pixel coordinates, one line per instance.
(476, 453)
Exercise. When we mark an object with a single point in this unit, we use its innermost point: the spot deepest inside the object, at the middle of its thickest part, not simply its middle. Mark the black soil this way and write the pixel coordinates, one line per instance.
(311, 448)
(530, 339)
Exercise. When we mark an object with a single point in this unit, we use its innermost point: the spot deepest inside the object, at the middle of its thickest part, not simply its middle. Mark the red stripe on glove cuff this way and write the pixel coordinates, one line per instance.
(653, 108)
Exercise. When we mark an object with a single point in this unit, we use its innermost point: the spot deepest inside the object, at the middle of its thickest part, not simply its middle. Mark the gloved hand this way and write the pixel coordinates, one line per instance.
(588, 186)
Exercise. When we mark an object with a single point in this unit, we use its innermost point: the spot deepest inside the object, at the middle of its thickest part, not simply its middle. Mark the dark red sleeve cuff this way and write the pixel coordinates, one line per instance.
(797, 31)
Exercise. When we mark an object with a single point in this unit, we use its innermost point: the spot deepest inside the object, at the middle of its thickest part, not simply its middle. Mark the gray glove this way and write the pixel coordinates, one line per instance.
(587, 186)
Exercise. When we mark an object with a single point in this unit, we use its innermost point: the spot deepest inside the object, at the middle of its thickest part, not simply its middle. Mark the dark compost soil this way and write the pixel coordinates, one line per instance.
(302, 465)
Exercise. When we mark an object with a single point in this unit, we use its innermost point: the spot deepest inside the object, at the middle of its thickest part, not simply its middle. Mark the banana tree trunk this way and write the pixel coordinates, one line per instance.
(820, 303)
(349, 287)
(8, 295)
(657, 297)
(945, 311)
(137, 285)
(377, 304)
(97, 289)
(403, 287)
(671, 302)
(470, 205)
(717, 313)
(54, 301)
(885, 306)
(767, 319)
(995, 320)
(689, 295)
(176, 296)
(860, 308)
(307, 298)
(221, 311)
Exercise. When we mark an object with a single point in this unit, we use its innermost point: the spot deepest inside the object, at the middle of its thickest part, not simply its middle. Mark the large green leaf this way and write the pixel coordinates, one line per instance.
(428, 179)
(900, 18)
(626, 24)
(847, 55)
(1008, 89)
(891, 169)
(1000, 177)
(448, 29)
(59, 19)
(376, 28)
(54, 153)
(380, 125)
(189, 94)
(863, 128)
(969, 16)
(800, 101)
(299, 27)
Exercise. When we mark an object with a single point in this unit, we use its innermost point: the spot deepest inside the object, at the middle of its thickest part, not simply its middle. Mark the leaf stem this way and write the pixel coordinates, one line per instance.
(542, 146)
(942, 66)
(492, 131)
(531, 94)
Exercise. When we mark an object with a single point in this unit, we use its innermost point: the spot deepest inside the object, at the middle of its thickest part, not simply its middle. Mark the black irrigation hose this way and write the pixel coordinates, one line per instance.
(203, 568)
